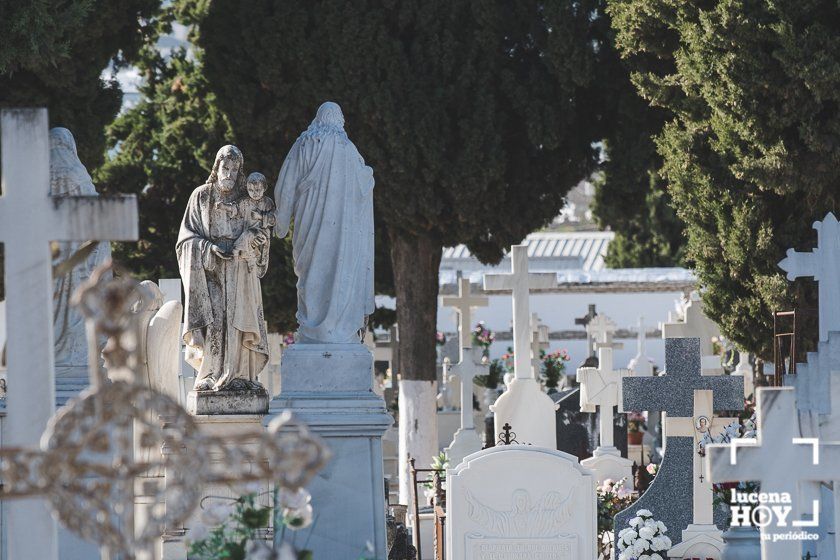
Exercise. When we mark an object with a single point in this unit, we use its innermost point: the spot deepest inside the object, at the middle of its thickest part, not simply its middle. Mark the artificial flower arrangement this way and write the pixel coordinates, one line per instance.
(287, 340)
(238, 522)
(440, 338)
(495, 374)
(553, 367)
(483, 337)
(636, 424)
(644, 539)
(613, 497)
(652, 469)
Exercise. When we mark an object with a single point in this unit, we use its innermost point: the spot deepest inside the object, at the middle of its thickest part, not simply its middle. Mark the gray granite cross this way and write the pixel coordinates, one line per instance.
(674, 394)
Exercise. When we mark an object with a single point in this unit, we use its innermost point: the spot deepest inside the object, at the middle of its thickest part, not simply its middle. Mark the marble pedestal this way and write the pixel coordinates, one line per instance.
(227, 402)
(174, 541)
(330, 388)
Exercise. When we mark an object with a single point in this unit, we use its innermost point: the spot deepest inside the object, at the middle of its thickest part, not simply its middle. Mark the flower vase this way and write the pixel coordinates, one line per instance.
(635, 438)
(742, 543)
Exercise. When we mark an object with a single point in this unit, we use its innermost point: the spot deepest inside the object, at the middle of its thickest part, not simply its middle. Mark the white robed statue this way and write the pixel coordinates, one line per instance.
(326, 186)
(68, 177)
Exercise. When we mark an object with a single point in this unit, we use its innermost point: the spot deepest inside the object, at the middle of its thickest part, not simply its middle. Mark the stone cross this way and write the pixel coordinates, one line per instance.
(674, 393)
(520, 282)
(466, 439)
(601, 388)
(823, 263)
(523, 405)
(539, 342)
(29, 220)
(584, 321)
(697, 324)
(640, 364)
(464, 303)
(781, 460)
(745, 370)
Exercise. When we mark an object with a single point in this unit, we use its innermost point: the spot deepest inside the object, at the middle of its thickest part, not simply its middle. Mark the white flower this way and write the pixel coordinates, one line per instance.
(658, 543)
(644, 513)
(640, 546)
(667, 542)
(647, 532)
(293, 499)
(298, 518)
(661, 527)
(656, 556)
(644, 557)
(287, 552)
(635, 521)
(630, 536)
(258, 550)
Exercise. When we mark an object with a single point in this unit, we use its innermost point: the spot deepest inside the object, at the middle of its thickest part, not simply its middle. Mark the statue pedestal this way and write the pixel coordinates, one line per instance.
(330, 388)
(247, 401)
(174, 541)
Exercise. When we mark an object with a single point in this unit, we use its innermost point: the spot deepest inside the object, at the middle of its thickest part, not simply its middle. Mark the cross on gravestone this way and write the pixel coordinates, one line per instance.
(463, 304)
(99, 447)
(466, 440)
(539, 343)
(584, 321)
(601, 388)
(523, 404)
(29, 220)
(780, 460)
(697, 325)
(674, 394)
(823, 263)
(519, 282)
(640, 364)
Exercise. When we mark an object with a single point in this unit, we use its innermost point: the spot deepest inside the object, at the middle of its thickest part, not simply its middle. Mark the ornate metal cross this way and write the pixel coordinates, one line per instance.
(88, 465)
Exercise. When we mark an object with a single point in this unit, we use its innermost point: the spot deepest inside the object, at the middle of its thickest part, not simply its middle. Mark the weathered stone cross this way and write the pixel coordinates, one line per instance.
(780, 459)
(523, 405)
(466, 439)
(683, 394)
(29, 220)
(584, 321)
(640, 364)
(539, 342)
(697, 324)
(823, 263)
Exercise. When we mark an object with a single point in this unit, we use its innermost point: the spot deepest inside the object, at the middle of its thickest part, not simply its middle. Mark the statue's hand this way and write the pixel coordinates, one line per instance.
(260, 239)
(219, 253)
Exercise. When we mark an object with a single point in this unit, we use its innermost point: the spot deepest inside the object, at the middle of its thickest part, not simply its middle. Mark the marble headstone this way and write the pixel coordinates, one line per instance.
(518, 501)
(674, 394)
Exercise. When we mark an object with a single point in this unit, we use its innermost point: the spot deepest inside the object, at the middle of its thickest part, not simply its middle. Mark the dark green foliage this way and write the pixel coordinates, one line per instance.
(52, 54)
(750, 155)
(164, 148)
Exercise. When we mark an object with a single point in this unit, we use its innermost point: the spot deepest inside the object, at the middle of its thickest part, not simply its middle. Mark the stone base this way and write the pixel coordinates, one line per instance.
(699, 541)
(607, 463)
(330, 388)
(224, 401)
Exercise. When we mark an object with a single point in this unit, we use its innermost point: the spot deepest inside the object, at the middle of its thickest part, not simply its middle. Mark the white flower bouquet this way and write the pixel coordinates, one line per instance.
(644, 539)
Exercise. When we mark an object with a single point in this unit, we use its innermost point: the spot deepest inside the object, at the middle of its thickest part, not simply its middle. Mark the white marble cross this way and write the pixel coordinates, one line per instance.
(29, 220)
(823, 263)
(697, 325)
(745, 370)
(780, 459)
(466, 439)
(539, 342)
(640, 364)
(524, 405)
(520, 282)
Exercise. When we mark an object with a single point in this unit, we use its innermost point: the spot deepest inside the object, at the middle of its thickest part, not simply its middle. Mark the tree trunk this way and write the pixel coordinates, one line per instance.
(416, 262)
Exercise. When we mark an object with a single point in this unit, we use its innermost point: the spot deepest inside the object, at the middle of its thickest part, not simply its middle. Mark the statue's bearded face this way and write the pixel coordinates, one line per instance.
(226, 174)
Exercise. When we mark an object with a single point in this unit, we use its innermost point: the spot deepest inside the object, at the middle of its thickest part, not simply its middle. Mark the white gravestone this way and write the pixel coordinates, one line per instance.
(641, 364)
(601, 388)
(520, 502)
(696, 324)
(823, 263)
(745, 370)
(29, 220)
(782, 461)
(523, 405)
(539, 343)
(466, 440)
(171, 289)
(160, 341)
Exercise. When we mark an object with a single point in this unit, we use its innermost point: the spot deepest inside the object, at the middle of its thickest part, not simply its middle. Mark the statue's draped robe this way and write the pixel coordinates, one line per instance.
(68, 177)
(325, 184)
(223, 299)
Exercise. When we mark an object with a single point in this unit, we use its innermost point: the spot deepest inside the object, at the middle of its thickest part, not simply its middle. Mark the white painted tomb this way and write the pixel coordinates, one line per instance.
(518, 502)
(523, 405)
(29, 219)
(601, 388)
(696, 324)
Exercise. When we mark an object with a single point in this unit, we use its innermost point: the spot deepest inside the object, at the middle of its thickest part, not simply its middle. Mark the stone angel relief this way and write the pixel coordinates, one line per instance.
(543, 519)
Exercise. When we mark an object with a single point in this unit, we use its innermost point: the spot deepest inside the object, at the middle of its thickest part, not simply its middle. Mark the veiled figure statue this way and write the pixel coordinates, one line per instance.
(222, 253)
(326, 186)
(68, 177)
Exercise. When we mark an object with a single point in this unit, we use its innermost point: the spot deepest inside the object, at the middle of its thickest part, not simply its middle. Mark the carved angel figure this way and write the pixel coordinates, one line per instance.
(543, 519)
